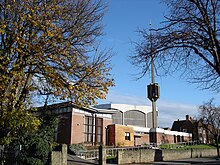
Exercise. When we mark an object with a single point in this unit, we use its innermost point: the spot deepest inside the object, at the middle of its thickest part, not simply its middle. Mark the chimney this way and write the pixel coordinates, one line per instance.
(187, 117)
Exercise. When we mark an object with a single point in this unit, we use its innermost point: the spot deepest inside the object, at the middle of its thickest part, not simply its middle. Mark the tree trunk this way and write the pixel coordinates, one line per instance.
(217, 147)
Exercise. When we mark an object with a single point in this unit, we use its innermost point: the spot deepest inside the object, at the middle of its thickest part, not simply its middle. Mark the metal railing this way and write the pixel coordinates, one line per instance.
(89, 154)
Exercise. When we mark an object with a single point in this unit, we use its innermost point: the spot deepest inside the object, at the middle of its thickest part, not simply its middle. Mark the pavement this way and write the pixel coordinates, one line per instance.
(195, 161)
(74, 160)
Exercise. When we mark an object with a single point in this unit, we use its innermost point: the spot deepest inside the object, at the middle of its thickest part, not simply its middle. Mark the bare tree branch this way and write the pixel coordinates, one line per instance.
(188, 41)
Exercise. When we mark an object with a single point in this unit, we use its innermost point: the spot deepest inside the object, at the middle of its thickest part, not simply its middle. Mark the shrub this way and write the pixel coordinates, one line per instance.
(77, 148)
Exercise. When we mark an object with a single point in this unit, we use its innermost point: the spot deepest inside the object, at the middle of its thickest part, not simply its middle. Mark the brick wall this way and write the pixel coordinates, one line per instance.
(106, 122)
(117, 135)
(142, 139)
(165, 136)
(111, 135)
(77, 131)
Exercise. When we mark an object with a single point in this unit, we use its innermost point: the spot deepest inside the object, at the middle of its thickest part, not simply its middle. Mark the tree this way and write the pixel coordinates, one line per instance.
(210, 116)
(188, 40)
(49, 48)
(36, 146)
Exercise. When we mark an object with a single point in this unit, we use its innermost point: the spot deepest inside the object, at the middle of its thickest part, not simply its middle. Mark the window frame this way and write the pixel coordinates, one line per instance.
(127, 136)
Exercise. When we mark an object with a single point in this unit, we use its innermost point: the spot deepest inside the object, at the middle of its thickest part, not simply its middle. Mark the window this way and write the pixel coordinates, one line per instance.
(200, 130)
(127, 136)
(93, 132)
(98, 131)
(89, 129)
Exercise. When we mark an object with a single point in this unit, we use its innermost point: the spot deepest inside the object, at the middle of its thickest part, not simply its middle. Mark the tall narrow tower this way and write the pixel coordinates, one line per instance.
(153, 88)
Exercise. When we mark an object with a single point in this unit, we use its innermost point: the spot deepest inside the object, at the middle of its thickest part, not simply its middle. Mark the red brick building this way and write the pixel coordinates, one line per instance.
(121, 135)
(196, 128)
(139, 121)
(81, 125)
(110, 124)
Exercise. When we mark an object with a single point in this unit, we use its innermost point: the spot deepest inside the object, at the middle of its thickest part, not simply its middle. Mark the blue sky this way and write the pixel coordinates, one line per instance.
(178, 97)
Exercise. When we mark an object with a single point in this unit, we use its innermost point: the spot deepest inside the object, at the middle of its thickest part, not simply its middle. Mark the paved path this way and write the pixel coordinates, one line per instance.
(74, 160)
(191, 161)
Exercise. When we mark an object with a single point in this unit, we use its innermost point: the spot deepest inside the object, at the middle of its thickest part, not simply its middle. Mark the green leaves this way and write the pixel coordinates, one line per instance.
(37, 145)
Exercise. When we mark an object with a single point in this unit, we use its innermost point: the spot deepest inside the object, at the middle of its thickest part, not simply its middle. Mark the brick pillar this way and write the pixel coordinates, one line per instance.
(102, 155)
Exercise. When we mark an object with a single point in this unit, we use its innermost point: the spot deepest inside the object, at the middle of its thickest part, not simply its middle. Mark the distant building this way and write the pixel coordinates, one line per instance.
(136, 121)
(140, 116)
(199, 133)
(110, 124)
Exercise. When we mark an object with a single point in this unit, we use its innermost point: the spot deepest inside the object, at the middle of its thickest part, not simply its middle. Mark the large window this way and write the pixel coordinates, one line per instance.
(89, 129)
(99, 131)
(93, 129)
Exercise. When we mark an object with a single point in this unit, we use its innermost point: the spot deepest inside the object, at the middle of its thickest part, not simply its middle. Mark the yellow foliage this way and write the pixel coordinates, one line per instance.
(48, 49)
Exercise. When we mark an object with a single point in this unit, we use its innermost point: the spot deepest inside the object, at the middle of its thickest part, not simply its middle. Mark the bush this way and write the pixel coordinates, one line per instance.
(77, 148)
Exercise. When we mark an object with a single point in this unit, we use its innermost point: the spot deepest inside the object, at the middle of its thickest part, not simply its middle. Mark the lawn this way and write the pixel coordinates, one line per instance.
(181, 146)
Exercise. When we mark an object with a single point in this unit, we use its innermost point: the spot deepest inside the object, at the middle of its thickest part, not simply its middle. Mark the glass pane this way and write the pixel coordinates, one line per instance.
(99, 130)
(90, 129)
(99, 122)
(99, 138)
(89, 138)
(85, 138)
(90, 120)
(86, 120)
(86, 128)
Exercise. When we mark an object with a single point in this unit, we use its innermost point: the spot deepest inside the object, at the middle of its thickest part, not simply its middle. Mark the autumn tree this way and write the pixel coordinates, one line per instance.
(187, 41)
(49, 48)
(209, 114)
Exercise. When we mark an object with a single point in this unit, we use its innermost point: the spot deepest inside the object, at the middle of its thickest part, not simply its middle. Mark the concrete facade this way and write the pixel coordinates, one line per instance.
(130, 114)
(59, 157)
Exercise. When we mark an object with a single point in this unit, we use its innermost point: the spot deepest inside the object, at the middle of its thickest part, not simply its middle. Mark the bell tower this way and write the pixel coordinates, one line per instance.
(153, 89)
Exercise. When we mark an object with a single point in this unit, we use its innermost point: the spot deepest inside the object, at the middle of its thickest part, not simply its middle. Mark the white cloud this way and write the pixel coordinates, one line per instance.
(169, 111)
(114, 97)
